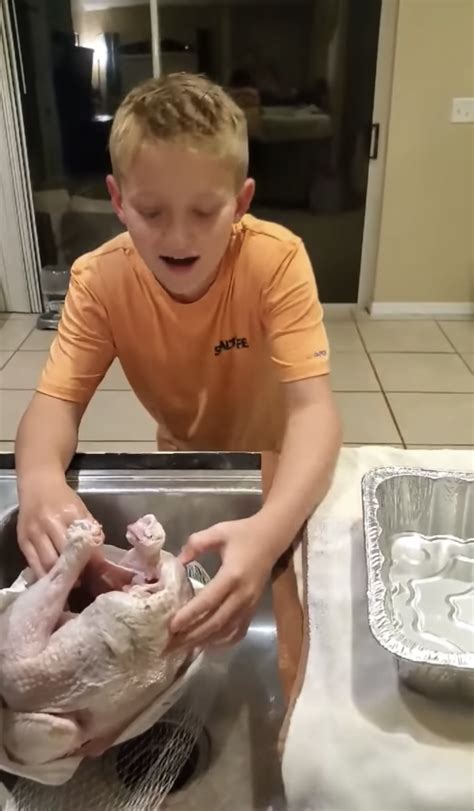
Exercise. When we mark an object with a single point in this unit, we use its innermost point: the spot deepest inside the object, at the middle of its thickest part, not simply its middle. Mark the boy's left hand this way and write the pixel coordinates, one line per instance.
(220, 614)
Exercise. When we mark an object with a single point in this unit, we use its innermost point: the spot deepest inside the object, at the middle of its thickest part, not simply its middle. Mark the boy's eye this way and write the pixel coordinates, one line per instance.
(150, 215)
(204, 214)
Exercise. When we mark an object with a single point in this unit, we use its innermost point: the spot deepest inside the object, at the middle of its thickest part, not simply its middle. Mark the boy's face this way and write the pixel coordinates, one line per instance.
(179, 205)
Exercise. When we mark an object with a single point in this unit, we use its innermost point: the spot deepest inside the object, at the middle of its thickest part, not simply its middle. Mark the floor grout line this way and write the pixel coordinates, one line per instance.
(450, 341)
(100, 442)
(25, 340)
(387, 320)
(413, 443)
(384, 395)
(401, 391)
(465, 363)
(336, 391)
(446, 352)
(358, 351)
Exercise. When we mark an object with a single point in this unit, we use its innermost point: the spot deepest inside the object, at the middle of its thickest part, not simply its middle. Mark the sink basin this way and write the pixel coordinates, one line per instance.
(241, 770)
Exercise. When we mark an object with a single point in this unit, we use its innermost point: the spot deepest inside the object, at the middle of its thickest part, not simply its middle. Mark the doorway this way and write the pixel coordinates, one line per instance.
(311, 65)
(304, 72)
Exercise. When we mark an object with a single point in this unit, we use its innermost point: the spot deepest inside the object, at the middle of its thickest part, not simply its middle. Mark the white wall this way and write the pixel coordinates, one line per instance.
(426, 249)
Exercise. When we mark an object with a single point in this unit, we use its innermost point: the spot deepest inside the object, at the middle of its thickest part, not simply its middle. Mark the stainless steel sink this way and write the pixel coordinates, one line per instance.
(242, 772)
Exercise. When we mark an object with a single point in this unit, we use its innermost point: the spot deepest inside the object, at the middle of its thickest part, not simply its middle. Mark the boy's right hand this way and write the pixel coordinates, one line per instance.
(47, 508)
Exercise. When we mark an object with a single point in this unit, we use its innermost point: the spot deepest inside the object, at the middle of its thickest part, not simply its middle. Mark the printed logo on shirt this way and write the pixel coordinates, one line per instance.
(232, 343)
(320, 354)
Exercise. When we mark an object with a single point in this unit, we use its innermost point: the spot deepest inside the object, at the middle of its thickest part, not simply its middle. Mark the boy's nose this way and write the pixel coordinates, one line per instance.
(176, 239)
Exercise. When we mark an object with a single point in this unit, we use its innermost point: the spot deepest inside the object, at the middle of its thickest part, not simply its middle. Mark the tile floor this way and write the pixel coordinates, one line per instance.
(399, 382)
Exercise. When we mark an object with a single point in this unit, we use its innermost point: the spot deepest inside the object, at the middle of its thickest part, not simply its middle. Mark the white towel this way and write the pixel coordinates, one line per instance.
(357, 740)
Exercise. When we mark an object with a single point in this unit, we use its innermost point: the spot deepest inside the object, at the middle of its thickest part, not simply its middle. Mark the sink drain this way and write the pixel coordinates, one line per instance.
(139, 759)
(196, 763)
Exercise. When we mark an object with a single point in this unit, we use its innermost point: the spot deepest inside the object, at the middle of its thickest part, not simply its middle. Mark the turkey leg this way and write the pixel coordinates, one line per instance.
(27, 624)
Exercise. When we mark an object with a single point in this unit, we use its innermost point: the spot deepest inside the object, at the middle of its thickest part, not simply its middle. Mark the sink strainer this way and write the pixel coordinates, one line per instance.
(138, 774)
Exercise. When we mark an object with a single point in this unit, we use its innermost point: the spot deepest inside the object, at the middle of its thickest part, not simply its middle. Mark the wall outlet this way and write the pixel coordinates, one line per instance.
(462, 111)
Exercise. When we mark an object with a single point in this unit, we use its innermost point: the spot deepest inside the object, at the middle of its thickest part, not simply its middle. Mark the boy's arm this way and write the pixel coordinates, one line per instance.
(47, 438)
(46, 442)
(249, 548)
(306, 465)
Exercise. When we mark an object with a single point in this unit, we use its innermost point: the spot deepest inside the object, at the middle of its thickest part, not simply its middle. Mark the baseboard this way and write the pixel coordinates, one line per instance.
(338, 309)
(431, 309)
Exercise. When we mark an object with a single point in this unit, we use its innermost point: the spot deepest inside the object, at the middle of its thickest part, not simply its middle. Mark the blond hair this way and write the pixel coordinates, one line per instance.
(182, 107)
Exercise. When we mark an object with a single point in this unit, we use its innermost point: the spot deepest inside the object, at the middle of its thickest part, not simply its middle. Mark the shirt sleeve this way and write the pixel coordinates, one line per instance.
(83, 349)
(293, 319)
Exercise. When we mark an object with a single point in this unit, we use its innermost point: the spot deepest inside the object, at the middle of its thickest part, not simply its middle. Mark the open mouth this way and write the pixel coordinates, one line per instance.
(179, 263)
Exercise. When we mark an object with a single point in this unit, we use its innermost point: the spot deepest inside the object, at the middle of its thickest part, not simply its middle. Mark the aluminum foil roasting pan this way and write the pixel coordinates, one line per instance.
(419, 536)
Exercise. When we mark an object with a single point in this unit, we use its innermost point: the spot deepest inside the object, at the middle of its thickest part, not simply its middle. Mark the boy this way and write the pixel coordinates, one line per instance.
(215, 318)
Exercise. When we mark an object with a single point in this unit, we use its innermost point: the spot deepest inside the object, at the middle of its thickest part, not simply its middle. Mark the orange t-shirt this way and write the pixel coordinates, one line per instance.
(209, 371)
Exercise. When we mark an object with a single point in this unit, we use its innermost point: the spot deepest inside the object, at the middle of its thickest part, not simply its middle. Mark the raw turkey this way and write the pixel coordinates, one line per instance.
(71, 682)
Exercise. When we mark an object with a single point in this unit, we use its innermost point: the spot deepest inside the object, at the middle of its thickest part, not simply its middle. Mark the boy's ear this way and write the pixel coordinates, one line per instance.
(116, 197)
(244, 198)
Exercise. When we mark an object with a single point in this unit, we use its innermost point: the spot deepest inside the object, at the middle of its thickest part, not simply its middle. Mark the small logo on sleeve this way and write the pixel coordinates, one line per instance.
(232, 343)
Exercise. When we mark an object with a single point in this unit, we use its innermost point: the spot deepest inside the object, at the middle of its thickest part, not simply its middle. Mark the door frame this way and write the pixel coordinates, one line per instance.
(19, 255)
(376, 177)
(155, 37)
